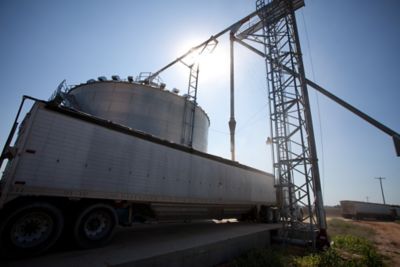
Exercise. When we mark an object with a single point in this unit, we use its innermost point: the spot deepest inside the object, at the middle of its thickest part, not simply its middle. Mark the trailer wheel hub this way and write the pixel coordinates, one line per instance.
(97, 225)
(31, 229)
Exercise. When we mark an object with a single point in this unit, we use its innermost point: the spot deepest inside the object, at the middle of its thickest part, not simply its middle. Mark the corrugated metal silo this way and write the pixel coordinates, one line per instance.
(142, 107)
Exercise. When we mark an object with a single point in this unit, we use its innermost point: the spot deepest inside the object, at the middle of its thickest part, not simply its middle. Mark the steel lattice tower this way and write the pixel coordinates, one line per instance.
(271, 32)
(294, 150)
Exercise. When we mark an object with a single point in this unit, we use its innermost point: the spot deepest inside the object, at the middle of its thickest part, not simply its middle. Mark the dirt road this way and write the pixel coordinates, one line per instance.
(387, 238)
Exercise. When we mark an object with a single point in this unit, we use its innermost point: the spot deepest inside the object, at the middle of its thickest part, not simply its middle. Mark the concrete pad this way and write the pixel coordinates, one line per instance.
(167, 245)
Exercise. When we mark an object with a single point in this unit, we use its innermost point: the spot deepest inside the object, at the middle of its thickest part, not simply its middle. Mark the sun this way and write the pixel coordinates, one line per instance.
(215, 65)
(212, 65)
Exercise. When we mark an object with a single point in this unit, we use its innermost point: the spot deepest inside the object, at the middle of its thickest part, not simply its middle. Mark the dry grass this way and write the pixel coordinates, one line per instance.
(356, 243)
(342, 227)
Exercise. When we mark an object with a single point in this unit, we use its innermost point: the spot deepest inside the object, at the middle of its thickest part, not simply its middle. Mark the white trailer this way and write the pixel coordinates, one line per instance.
(73, 173)
(366, 210)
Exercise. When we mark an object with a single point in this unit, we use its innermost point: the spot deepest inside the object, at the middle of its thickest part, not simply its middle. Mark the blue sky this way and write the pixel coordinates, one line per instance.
(353, 47)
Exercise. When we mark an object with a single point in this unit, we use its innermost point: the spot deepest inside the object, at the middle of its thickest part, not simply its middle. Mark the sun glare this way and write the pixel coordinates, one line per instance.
(212, 65)
(215, 65)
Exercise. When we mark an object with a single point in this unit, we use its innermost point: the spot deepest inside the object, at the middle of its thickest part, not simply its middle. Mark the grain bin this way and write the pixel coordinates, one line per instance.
(146, 108)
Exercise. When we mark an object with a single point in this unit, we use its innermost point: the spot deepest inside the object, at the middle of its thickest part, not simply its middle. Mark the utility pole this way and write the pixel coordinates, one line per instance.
(380, 180)
(367, 199)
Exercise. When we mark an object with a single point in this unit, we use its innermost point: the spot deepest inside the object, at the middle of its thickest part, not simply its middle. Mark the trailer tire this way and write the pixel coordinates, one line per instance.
(30, 229)
(266, 214)
(95, 226)
(276, 216)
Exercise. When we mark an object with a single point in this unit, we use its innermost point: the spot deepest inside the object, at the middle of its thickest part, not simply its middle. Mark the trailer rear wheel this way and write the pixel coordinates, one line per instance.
(276, 216)
(95, 225)
(30, 230)
(266, 214)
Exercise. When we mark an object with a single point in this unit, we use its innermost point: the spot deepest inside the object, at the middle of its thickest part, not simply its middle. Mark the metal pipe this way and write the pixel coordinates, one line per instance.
(4, 153)
(232, 121)
(233, 28)
(395, 136)
(353, 109)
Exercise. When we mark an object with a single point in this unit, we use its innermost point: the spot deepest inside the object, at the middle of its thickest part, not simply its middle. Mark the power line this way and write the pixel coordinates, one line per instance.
(252, 119)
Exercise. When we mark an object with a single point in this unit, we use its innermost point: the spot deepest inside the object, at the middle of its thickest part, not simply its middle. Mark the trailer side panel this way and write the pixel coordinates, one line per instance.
(67, 156)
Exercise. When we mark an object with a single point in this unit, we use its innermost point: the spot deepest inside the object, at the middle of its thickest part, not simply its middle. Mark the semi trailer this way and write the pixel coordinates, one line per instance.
(367, 210)
(108, 153)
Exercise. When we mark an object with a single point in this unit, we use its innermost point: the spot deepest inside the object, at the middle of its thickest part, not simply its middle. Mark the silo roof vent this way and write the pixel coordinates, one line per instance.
(116, 78)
